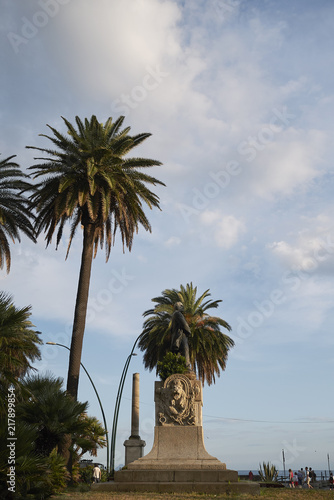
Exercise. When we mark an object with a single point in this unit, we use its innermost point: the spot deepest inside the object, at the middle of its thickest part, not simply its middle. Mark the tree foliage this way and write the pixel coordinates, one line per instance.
(56, 414)
(171, 363)
(45, 414)
(15, 215)
(51, 411)
(19, 345)
(88, 179)
(208, 345)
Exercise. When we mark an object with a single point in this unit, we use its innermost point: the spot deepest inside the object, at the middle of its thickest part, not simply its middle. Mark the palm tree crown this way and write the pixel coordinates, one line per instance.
(208, 346)
(19, 345)
(90, 180)
(14, 213)
(51, 410)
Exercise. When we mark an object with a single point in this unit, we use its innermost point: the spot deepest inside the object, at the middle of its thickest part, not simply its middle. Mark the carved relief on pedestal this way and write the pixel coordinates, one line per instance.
(178, 401)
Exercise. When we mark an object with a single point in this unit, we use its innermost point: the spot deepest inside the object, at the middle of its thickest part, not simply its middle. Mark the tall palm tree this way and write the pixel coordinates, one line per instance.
(208, 346)
(14, 209)
(19, 345)
(89, 180)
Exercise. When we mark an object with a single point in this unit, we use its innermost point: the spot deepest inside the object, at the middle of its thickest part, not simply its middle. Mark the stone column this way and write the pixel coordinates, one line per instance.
(134, 445)
(135, 407)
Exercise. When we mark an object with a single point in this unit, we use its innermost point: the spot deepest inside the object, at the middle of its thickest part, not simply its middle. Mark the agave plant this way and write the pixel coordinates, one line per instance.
(269, 472)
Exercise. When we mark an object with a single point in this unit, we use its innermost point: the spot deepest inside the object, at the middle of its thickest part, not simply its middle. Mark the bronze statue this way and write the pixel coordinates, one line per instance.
(180, 333)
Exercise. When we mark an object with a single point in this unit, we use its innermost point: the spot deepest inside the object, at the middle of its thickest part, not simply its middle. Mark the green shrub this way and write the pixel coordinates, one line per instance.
(171, 363)
(104, 476)
(58, 475)
(86, 474)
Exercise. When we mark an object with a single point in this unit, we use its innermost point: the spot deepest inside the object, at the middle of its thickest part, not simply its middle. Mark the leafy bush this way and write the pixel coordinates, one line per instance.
(86, 474)
(55, 478)
(269, 472)
(44, 414)
(171, 363)
(58, 474)
(104, 476)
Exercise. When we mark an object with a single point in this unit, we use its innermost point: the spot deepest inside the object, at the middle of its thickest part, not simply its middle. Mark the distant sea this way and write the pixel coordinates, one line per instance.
(319, 473)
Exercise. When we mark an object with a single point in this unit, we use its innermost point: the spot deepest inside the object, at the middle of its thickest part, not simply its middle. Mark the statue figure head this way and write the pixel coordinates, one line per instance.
(178, 306)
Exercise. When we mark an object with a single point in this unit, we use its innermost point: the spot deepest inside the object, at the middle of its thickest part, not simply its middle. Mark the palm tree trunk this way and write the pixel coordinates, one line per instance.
(79, 321)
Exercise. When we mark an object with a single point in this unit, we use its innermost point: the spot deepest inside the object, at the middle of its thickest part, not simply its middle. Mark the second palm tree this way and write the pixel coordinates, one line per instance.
(208, 346)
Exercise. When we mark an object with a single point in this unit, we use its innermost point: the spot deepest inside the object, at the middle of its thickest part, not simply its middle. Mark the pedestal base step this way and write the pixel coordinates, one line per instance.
(176, 476)
(186, 487)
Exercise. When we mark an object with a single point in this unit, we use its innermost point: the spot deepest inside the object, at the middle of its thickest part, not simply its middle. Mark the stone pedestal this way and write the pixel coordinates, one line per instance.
(178, 461)
(178, 433)
(134, 449)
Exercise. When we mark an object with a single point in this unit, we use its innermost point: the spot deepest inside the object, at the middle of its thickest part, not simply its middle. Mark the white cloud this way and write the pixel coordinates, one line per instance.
(311, 249)
(226, 229)
(114, 44)
(49, 283)
(290, 161)
(173, 241)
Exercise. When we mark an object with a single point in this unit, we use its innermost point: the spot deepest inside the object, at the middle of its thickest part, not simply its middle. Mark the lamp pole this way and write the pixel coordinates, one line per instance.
(117, 406)
(98, 397)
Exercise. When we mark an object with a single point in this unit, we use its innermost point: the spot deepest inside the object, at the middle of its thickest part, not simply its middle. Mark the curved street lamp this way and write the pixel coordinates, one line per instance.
(98, 397)
(117, 405)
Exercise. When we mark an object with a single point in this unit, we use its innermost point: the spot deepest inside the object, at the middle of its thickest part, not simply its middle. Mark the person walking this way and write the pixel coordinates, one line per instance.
(97, 474)
(303, 476)
(331, 481)
(300, 477)
(308, 478)
(291, 481)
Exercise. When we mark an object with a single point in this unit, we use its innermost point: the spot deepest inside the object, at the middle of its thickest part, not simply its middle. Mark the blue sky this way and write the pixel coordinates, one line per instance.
(239, 99)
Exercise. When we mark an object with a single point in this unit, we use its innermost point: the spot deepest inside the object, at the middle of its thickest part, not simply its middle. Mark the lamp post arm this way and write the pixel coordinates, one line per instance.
(117, 405)
(103, 415)
(98, 398)
(116, 412)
